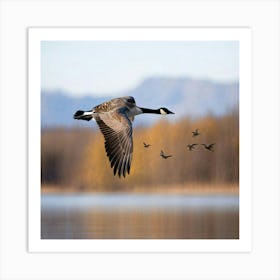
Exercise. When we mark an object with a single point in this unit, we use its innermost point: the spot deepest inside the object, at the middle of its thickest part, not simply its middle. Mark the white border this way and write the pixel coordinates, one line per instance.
(263, 260)
(243, 36)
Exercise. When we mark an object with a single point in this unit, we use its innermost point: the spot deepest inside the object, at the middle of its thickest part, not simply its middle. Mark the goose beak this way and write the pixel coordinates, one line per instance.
(169, 112)
(165, 111)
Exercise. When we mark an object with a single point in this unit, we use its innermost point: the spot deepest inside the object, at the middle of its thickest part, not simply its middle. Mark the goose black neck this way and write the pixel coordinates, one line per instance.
(150, 111)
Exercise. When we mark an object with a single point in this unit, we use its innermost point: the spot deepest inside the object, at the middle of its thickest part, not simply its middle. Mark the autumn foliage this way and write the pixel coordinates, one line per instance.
(76, 158)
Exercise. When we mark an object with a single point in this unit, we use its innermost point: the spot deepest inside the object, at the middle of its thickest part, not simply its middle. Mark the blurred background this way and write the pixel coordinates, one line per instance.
(193, 194)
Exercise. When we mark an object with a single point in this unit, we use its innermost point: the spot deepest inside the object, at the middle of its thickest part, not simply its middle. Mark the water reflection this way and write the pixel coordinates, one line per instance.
(134, 216)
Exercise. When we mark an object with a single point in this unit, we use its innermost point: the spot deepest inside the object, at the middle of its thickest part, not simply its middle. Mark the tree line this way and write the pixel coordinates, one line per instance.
(76, 158)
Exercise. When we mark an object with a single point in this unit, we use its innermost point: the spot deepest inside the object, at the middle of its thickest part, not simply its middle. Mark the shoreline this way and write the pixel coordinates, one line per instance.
(192, 188)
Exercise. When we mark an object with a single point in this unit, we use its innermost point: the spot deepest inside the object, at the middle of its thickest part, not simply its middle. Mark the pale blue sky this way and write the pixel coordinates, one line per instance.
(103, 68)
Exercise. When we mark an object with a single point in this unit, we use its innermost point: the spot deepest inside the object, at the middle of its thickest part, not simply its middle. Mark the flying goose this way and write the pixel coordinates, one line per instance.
(163, 155)
(146, 145)
(209, 147)
(191, 146)
(195, 133)
(114, 119)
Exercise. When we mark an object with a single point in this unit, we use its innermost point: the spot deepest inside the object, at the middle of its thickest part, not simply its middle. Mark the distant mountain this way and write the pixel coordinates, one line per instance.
(184, 96)
(58, 107)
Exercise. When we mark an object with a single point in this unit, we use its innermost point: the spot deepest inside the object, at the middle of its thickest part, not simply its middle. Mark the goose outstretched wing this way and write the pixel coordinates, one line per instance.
(117, 130)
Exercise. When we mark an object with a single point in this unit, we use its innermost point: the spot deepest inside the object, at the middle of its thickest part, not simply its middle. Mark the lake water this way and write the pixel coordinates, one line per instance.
(139, 216)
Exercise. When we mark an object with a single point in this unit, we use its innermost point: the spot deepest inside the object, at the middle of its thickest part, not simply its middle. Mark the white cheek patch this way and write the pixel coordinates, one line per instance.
(162, 112)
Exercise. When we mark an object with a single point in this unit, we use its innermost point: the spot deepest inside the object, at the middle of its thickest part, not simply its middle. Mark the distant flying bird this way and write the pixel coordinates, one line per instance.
(195, 133)
(163, 155)
(114, 119)
(209, 147)
(191, 146)
(146, 145)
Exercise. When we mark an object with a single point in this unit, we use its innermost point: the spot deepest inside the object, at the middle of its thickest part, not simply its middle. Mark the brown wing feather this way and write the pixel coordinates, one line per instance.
(117, 131)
